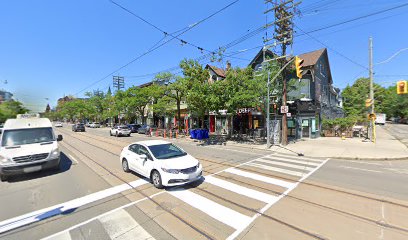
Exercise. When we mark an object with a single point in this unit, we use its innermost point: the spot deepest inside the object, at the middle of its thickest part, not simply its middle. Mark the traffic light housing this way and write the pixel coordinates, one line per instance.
(402, 87)
(298, 65)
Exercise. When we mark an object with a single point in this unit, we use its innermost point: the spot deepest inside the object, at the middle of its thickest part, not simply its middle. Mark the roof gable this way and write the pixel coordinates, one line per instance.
(218, 71)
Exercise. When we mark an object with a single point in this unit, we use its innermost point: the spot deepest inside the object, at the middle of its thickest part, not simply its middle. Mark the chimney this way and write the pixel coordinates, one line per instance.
(228, 66)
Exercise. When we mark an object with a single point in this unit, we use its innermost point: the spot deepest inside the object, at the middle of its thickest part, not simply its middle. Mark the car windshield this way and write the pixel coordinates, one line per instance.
(26, 136)
(165, 151)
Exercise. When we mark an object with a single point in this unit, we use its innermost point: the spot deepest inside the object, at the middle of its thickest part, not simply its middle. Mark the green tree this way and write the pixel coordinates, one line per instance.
(354, 97)
(10, 109)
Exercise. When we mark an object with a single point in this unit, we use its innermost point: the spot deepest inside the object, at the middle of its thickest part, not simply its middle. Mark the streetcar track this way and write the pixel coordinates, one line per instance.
(289, 179)
(256, 212)
(376, 222)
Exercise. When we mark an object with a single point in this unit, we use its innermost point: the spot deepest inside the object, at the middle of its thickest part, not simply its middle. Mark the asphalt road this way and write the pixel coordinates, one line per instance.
(245, 194)
(399, 131)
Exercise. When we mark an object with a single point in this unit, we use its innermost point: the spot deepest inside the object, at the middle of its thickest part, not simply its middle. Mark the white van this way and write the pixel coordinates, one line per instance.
(28, 144)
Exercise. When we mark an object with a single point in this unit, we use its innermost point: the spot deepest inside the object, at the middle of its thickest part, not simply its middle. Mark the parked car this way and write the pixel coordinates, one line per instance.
(120, 131)
(1, 128)
(143, 129)
(163, 162)
(78, 127)
(134, 127)
(95, 125)
(58, 124)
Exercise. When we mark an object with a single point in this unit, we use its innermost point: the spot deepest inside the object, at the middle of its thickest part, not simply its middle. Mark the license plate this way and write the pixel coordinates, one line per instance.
(32, 169)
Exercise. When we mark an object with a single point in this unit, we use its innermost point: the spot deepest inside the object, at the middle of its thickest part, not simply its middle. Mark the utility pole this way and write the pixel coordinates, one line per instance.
(118, 83)
(268, 117)
(372, 119)
(284, 11)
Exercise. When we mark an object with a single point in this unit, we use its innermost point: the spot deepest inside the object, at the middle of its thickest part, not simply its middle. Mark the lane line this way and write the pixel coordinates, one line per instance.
(285, 164)
(263, 197)
(361, 169)
(101, 215)
(217, 211)
(260, 178)
(275, 169)
(292, 161)
(262, 211)
(122, 224)
(45, 213)
(369, 163)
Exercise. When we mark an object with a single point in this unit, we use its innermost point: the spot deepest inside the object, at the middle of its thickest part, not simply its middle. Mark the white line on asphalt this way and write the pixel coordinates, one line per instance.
(275, 169)
(293, 161)
(275, 162)
(72, 158)
(301, 158)
(102, 215)
(260, 178)
(264, 197)
(122, 224)
(42, 214)
(361, 169)
(238, 231)
(217, 211)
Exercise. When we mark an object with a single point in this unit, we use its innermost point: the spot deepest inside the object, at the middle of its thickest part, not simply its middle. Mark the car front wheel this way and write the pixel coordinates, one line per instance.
(156, 179)
(3, 178)
(125, 165)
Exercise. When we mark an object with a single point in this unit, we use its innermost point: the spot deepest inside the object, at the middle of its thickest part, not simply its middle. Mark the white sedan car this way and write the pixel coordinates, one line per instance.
(58, 124)
(120, 131)
(162, 162)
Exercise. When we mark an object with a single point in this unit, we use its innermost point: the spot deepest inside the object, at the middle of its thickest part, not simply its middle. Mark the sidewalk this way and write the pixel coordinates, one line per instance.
(386, 147)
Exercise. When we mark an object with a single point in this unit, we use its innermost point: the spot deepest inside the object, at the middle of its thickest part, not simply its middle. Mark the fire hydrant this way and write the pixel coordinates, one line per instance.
(343, 136)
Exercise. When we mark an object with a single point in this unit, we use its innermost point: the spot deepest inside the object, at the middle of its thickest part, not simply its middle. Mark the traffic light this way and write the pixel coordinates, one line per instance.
(298, 65)
(402, 87)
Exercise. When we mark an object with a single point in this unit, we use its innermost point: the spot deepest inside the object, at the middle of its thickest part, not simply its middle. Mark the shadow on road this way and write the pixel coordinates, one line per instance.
(65, 165)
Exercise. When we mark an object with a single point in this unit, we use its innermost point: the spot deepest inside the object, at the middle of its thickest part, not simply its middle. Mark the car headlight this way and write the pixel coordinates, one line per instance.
(55, 153)
(173, 171)
(4, 159)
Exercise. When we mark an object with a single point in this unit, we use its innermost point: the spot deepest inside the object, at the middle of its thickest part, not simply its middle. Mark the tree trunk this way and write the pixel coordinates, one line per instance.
(178, 115)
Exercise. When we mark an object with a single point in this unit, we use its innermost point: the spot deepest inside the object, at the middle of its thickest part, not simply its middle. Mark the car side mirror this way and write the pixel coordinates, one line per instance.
(144, 157)
(59, 137)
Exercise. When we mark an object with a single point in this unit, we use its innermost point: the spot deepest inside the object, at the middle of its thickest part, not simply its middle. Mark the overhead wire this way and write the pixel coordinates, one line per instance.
(155, 48)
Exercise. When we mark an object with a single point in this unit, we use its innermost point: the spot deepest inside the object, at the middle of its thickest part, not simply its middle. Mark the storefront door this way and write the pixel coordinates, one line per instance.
(305, 128)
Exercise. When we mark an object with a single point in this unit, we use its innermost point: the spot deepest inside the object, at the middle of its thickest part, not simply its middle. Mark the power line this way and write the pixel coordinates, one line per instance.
(155, 48)
(337, 52)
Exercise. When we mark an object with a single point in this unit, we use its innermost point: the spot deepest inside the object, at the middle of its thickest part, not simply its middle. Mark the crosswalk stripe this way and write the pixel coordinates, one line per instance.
(120, 225)
(260, 178)
(223, 214)
(285, 164)
(264, 197)
(300, 158)
(275, 169)
(291, 160)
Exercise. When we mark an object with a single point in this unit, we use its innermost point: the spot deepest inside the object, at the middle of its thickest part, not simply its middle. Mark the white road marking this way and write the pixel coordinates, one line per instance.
(72, 158)
(260, 178)
(275, 169)
(274, 162)
(360, 169)
(306, 159)
(42, 214)
(292, 161)
(223, 214)
(238, 231)
(55, 236)
(264, 197)
(121, 225)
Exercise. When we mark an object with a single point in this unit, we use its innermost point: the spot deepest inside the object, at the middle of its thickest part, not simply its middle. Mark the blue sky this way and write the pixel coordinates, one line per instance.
(49, 49)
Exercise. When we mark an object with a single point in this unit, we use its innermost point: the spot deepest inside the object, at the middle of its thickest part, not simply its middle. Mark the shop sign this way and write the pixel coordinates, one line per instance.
(245, 110)
(284, 109)
(289, 114)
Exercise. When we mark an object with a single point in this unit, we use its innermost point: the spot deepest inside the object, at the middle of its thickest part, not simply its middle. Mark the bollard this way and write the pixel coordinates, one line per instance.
(157, 132)
(176, 134)
(343, 136)
(164, 135)
(171, 134)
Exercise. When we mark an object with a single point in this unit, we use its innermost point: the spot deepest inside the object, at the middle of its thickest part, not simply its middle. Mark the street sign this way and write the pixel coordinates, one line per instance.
(284, 109)
(368, 102)
(288, 114)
